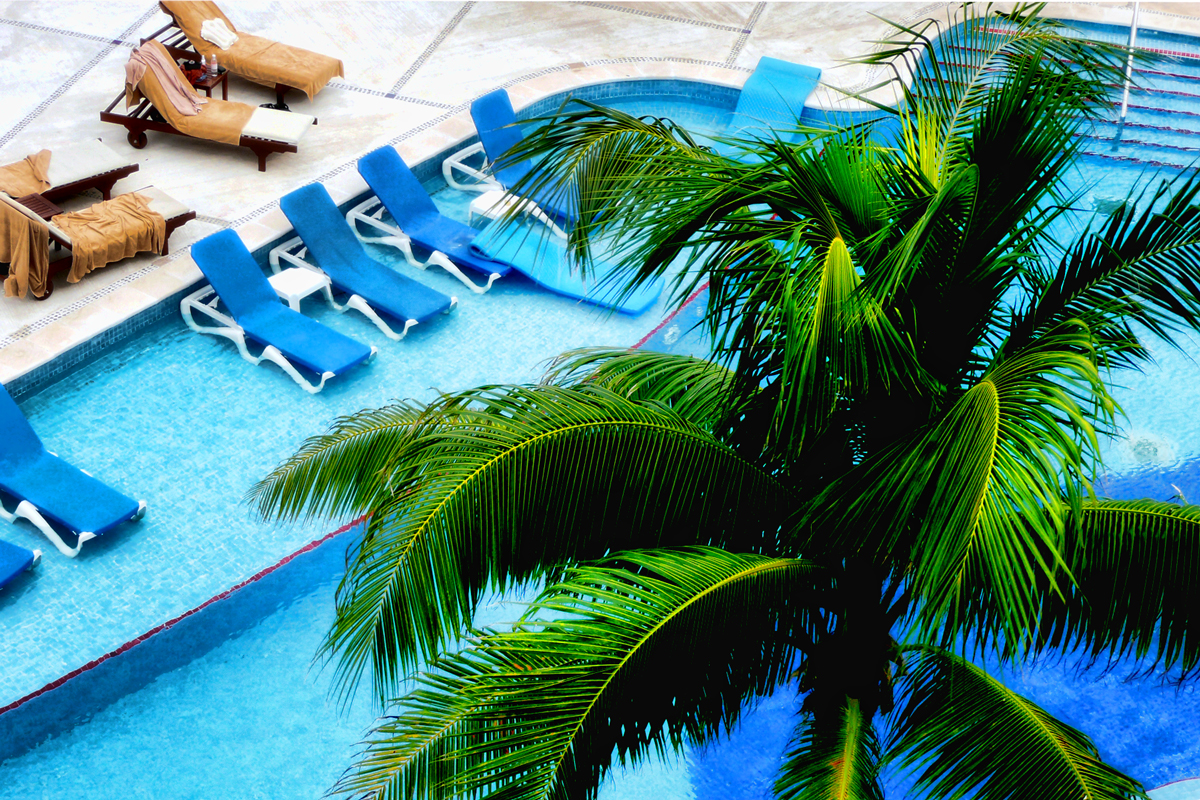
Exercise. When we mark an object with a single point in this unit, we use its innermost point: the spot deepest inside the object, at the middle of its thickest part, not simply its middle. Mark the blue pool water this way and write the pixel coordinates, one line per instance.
(182, 421)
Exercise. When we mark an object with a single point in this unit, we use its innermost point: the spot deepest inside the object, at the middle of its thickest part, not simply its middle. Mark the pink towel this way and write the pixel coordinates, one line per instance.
(182, 96)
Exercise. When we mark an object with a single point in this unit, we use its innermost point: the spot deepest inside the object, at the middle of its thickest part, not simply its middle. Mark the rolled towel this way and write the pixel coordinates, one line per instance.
(217, 32)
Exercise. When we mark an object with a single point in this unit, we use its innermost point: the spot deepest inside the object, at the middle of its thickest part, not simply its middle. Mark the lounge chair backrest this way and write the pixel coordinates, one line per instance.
(19, 442)
(190, 17)
(773, 96)
(324, 230)
(496, 123)
(395, 185)
(233, 272)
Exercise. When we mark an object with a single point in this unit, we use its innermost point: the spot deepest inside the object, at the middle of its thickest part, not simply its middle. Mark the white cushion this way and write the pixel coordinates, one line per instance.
(278, 126)
(163, 203)
(83, 160)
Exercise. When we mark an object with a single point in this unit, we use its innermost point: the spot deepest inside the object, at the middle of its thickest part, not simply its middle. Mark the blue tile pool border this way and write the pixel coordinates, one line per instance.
(428, 169)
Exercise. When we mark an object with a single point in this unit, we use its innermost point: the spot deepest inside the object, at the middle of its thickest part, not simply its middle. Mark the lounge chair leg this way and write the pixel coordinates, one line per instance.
(360, 305)
(262, 160)
(28, 511)
(443, 261)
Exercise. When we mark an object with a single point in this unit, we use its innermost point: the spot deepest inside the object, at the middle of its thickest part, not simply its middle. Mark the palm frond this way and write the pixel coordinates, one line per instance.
(693, 388)
(837, 759)
(977, 497)
(642, 652)
(1136, 564)
(342, 472)
(1142, 266)
(500, 484)
(971, 736)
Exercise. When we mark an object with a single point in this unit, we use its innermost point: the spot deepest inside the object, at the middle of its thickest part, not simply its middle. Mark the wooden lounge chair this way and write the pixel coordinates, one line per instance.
(262, 61)
(89, 164)
(173, 212)
(264, 131)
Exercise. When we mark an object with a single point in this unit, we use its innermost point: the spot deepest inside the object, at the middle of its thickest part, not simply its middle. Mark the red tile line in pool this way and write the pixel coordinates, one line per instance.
(662, 324)
(315, 543)
(171, 623)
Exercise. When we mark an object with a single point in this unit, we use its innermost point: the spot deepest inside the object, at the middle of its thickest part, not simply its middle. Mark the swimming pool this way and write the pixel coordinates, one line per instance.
(150, 391)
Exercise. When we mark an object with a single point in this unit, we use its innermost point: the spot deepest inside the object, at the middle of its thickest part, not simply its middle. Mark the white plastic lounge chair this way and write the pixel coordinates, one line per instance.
(49, 490)
(373, 287)
(257, 313)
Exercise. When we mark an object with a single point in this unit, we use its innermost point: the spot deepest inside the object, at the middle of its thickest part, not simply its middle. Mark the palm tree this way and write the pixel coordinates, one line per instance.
(882, 473)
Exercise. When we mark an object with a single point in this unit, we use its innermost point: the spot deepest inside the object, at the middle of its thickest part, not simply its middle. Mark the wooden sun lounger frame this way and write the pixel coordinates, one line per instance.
(138, 121)
(63, 248)
(104, 182)
(179, 46)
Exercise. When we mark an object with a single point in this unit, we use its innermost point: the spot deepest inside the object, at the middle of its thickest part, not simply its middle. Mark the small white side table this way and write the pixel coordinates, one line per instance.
(490, 205)
(294, 284)
(496, 203)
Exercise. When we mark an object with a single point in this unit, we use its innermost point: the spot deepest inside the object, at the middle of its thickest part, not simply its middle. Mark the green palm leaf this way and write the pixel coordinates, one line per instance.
(1136, 564)
(964, 502)
(340, 473)
(693, 388)
(973, 737)
(500, 484)
(835, 759)
(1141, 267)
(644, 651)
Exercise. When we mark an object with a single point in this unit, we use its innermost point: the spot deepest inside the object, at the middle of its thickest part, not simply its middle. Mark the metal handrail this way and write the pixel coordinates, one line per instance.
(1129, 61)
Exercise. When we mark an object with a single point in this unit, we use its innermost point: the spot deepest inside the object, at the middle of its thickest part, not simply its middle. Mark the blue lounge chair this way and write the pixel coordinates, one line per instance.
(498, 132)
(286, 335)
(406, 200)
(373, 287)
(49, 490)
(15, 560)
(771, 102)
(544, 261)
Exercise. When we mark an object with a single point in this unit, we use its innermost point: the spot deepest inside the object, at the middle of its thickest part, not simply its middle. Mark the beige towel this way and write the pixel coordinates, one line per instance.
(252, 57)
(175, 88)
(27, 176)
(25, 245)
(110, 231)
(218, 120)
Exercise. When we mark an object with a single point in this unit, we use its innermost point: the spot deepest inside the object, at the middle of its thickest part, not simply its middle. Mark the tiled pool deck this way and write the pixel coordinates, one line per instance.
(411, 71)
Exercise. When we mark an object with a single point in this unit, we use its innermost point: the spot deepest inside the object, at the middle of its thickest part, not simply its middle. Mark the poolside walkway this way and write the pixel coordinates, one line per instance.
(411, 70)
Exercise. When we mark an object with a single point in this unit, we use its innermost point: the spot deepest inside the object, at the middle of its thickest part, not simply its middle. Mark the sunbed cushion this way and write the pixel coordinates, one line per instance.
(235, 276)
(60, 491)
(773, 98)
(13, 561)
(162, 203)
(278, 126)
(82, 160)
(415, 213)
(304, 341)
(335, 249)
(67, 495)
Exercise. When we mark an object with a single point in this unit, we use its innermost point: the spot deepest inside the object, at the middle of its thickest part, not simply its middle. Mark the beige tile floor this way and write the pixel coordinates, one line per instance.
(411, 68)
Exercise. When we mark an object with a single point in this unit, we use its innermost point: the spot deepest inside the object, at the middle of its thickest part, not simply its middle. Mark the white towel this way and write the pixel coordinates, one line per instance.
(217, 32)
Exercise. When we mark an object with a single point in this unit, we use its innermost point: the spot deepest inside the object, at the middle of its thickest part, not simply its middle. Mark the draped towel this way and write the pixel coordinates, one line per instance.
(30, 175)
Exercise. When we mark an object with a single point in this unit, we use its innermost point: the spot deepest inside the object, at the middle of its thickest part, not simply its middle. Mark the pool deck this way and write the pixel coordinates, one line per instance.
(412, 68)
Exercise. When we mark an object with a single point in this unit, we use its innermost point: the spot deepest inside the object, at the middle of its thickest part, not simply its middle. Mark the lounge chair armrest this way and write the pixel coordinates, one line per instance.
(284, 252)
(483, 182)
